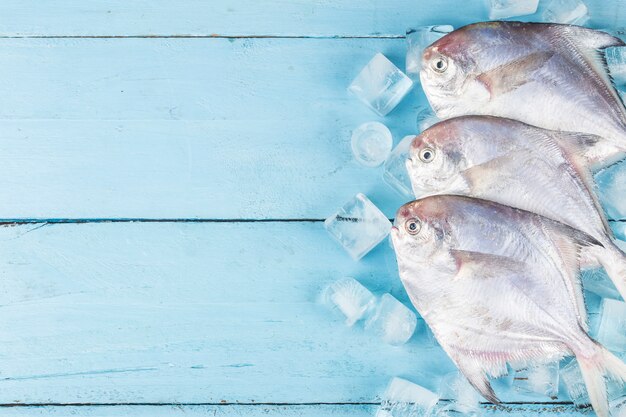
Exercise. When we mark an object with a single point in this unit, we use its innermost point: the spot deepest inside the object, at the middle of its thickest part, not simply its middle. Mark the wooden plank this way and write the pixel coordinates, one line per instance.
(171, 128)
(192, 313)
(250, 17)
(321, 410)
(186, 128)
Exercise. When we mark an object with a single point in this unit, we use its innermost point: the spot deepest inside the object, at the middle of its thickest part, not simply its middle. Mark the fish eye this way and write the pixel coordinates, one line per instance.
(440, 64)
(427, 155)
(413, 226)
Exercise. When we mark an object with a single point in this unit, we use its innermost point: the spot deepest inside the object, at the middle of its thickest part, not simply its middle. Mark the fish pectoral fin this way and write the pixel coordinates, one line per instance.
(476, 376)
(507, 77)
(471, 264)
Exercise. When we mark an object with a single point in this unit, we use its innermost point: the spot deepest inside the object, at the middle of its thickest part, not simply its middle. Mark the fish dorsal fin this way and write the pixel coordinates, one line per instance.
(569, 243)
(589, 45)
(507, 77)
(578, 147)
(590, 38)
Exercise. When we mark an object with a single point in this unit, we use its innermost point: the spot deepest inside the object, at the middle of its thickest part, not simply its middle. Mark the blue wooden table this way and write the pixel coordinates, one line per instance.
(165, 167)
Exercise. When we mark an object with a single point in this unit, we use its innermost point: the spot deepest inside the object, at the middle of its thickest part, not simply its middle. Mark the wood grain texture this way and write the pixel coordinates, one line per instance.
(327, 18)
(187, 128)
(180, 128)
(187, 313)
(192, 313)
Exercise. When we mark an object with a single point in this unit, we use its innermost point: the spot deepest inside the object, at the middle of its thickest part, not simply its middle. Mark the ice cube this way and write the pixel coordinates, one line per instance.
(351, 298)
(612, 186)
(599, 283)
(576, 389)
(395, 173)
(565, 11)
(371, 143)
(403, 398)
(392, 321)
(619, 231)
(358, 226)
(424, 335)
(464, 398)
(574, 383)
(504, 381)
(417, 40)
(540, 379)
(425, 118)
(612, 327)
(380, 85)
(618, 407)
(616, 61)
(502, 9)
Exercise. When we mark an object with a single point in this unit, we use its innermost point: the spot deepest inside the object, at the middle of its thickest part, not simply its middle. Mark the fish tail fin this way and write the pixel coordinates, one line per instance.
(613, 261)
(595, 369)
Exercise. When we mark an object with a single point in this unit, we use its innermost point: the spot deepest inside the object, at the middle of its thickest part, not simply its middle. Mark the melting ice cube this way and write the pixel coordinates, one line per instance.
(612, 185)
(380, 85)
(599, 283)
(403, 398)
(371, 143)
(612, 328)
(502, 9)
(358, 226)
(417, 40)
(616, 61)
(576, 389)
(540, 379)
(617, 407)
(574, 383)
(350, 297)
(425, 118)
(395, 173)
(464, 398)
(504, 381)
(392, 321)
(565, 11)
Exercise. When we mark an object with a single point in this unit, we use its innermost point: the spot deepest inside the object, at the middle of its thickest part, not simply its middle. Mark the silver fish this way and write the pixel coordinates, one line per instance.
(522, 166)
(499, 285)
(548, 75)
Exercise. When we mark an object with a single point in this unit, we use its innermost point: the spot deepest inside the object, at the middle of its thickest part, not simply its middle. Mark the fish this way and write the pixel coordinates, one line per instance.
(548, 75)
(522, 166)
(499, 285)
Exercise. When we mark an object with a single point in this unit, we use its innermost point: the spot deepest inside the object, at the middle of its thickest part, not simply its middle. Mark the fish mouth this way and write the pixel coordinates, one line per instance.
(395, 228)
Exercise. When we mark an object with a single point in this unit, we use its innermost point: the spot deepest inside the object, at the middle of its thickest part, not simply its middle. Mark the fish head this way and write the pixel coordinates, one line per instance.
(446, 69)
(457, 70)
(418, 231)
(436, 161)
